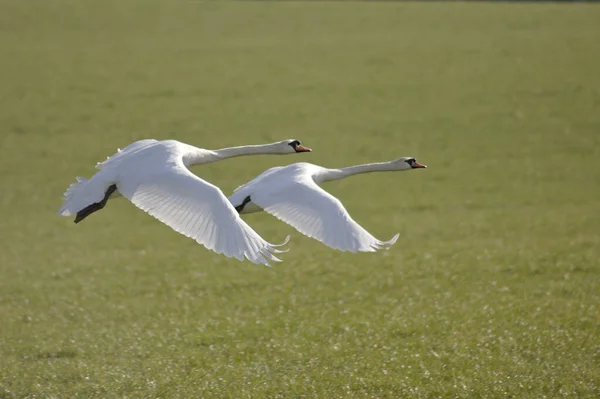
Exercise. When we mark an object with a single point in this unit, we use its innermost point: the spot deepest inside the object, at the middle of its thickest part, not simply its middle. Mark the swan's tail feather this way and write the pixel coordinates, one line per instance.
(85, 197)
(73, 187)
(70, 194)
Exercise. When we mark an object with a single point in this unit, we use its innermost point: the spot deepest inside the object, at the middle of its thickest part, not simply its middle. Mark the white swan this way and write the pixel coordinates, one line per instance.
(154, 176)
(291, 193)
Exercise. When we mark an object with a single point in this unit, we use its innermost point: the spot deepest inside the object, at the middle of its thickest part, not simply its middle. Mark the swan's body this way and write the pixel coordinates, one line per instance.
(154, 176)
(292, 194)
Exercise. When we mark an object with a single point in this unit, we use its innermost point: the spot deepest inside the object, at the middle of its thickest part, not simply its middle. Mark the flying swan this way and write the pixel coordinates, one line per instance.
(292, 194)
(154, 176)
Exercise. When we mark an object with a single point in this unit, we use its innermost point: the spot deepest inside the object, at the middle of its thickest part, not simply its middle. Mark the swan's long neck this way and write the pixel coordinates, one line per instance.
(336, 174)
(208, 156)
(246, 150)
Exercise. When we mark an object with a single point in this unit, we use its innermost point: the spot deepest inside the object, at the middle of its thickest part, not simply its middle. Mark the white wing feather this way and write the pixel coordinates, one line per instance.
(125, 152)
(319, 215)
(196, 209)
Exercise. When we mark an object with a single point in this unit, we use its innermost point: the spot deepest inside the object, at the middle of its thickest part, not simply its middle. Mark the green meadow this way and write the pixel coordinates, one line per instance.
(492, 290)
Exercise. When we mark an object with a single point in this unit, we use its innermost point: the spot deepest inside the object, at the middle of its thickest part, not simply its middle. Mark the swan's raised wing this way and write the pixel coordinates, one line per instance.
(196, 209)
(319, 215)
(127, 151)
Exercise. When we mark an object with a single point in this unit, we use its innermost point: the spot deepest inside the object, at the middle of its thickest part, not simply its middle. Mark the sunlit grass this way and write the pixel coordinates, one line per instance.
(491, 291)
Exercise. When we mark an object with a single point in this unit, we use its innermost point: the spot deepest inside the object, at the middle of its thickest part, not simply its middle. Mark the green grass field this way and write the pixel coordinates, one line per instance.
(493, 289)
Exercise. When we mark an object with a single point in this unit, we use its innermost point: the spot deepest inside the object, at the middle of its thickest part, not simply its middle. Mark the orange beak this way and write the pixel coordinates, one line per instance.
(417, 165)
(300, 148)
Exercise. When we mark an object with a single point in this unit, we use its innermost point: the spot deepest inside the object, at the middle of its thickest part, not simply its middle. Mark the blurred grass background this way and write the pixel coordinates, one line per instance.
(491, 291)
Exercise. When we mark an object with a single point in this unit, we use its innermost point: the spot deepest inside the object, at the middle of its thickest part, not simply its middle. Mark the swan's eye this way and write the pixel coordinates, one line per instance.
(410, 161)
(294, 143)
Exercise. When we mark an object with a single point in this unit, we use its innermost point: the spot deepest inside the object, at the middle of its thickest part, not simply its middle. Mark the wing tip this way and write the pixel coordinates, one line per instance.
(393, 240)
(381, 245)
(266, 253)
(287, 239)
(275, 247)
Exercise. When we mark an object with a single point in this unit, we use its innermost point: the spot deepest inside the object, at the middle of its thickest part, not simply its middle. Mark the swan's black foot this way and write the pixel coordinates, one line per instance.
(88, 210)
(241, 206)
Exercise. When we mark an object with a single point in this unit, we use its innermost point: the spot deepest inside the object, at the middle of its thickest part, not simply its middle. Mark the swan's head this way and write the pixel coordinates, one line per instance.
(291, 146)
(407, 163)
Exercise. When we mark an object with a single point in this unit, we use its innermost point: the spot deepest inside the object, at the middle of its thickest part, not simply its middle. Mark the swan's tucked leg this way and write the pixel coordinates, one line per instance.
(241, 206)
(88, 210)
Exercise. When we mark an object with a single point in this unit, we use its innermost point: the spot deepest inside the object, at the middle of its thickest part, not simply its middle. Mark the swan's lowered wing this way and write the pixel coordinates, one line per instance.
(196, 209)
(319, 215)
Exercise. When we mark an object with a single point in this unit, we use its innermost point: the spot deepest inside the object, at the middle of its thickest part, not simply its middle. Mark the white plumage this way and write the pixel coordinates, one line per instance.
(292, 194)
(154, 176)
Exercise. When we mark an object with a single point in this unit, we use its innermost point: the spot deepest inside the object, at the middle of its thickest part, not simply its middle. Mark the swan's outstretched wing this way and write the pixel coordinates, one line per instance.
(127, 151)
(196, 209)
(317, 214)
